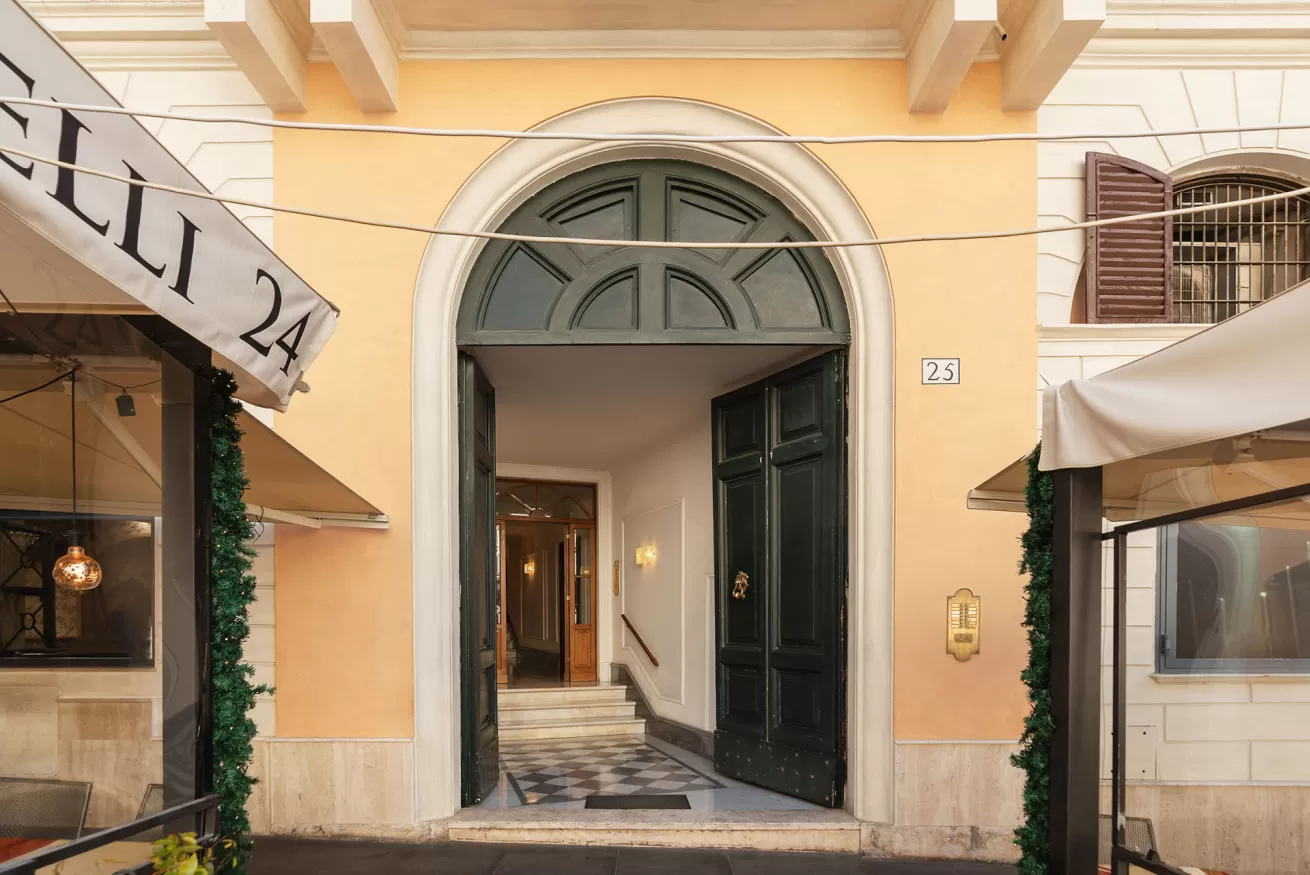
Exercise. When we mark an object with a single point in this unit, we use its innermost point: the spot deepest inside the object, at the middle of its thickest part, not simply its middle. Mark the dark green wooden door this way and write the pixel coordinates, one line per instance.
(480, 748)
(780, 557)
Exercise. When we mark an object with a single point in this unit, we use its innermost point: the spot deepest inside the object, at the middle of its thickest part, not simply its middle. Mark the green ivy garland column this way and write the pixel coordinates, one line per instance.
(232, 590)
(1034, 756)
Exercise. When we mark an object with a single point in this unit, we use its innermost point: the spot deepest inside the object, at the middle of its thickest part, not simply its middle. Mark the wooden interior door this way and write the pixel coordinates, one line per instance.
(502, 607)
(580, 663)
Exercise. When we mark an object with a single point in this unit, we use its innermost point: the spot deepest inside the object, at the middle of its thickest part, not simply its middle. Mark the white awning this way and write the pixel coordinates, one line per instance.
(1220, 416)
(1249, 373)
(77, 243)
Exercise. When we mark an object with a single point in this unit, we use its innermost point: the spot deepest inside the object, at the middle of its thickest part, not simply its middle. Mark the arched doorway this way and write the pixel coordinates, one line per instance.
(777, 483)
(812, 192)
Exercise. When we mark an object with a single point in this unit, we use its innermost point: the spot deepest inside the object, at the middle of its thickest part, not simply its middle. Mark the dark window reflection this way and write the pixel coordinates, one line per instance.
(114, 620)
(1239, 592)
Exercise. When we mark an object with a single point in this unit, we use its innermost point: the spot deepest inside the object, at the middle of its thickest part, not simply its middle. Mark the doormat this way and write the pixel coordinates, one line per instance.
(662, 800)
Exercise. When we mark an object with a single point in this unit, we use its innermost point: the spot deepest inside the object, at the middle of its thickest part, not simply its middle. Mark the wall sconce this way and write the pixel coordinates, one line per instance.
(646, 555)
(530, 566)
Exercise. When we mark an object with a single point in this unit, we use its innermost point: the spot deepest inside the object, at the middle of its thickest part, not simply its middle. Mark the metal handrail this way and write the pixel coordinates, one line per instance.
(635, 634)
(30, 864)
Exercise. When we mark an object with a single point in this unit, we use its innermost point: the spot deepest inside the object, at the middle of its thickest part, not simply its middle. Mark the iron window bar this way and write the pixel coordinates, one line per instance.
(197, 808)
(1227, 260)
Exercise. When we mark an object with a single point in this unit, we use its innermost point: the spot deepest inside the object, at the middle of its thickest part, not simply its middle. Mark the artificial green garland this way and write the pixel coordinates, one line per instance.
(232, 591)
(1034, 756)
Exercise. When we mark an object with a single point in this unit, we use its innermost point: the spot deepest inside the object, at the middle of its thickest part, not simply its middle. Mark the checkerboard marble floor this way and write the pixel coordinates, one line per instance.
(546, 772)
(563, 772)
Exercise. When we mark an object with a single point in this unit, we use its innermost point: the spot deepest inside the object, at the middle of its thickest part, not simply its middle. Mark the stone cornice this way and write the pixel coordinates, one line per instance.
(171, 34)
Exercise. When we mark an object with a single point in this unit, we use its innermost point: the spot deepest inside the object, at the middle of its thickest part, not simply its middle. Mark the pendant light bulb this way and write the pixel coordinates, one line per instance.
(76, 570)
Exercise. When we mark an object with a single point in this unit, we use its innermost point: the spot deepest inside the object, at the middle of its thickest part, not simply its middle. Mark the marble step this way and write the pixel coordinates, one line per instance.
(576, 712)
(832, 831)
(593, 728)
(532, 698)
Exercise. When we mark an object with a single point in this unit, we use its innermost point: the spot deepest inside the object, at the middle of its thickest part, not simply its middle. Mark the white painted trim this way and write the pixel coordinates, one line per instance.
(798, 178)
(639, 659)
(278, 739)
(1235, 678)
(1156, 331)
(1006, 741)
(497, 44)
(604, 539)
(1206, 52)
(711, 667)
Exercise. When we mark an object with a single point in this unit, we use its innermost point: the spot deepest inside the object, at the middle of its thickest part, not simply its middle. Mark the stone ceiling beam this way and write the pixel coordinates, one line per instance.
(357, 40)
(945, 41)
(269, 51)
(1046, 45)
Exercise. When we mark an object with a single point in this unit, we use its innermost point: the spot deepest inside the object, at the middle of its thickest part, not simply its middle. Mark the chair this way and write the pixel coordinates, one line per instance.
(39, 808)
(151, 803)
(1139, 836)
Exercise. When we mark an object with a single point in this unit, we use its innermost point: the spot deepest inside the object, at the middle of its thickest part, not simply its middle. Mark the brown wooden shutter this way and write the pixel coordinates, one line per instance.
(1129, 266)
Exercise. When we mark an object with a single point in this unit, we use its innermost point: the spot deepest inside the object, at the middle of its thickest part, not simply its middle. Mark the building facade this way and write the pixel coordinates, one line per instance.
(361, 635)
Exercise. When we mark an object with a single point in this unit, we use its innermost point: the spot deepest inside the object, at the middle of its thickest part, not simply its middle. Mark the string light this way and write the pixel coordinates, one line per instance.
(659, 244)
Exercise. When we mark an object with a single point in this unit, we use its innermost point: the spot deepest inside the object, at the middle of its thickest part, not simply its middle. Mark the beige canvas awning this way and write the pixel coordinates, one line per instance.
(78, 243)
(1222, 415)
(119, 459)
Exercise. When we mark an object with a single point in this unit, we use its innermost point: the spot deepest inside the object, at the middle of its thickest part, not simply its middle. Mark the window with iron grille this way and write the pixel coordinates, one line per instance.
(1228, 259)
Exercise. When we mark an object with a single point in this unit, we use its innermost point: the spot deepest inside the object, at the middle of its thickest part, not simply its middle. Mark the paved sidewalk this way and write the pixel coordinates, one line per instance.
(280, 856)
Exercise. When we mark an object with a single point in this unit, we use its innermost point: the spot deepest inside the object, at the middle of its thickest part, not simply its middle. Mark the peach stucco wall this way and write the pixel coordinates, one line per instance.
(344, 638)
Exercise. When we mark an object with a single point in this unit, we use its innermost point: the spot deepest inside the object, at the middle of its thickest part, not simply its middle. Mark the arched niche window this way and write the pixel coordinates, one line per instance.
(534, 293)
(1228, 259)
(1204, 267)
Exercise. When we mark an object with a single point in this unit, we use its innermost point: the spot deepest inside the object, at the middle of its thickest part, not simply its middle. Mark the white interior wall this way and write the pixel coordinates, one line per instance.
(663, 497)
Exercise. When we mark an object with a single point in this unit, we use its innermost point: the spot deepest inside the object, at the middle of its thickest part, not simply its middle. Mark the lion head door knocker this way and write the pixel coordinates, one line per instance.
(740, 584)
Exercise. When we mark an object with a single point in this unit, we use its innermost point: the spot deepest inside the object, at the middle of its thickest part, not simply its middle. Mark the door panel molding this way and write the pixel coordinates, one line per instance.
(780, 543)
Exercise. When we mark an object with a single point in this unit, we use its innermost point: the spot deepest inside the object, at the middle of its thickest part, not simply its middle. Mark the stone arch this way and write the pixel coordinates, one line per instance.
(797, 178)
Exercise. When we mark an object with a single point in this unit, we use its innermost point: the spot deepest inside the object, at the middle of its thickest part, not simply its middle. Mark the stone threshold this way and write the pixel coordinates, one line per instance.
(832, 831)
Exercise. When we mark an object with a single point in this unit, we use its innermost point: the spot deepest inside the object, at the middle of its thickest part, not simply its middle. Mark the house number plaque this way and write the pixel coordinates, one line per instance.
(963, 624)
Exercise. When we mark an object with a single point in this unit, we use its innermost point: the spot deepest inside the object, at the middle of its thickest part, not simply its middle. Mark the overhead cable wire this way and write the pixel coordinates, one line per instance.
(599, 137)
(48, 383)
(656, 244)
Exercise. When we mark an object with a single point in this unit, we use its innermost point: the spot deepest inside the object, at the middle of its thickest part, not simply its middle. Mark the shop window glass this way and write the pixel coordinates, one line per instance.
(80, 462)
(1234, 598)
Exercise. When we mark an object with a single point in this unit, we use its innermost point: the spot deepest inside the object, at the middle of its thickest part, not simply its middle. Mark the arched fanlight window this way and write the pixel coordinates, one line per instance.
(532, 500)
(547, 293)
(1228, 259)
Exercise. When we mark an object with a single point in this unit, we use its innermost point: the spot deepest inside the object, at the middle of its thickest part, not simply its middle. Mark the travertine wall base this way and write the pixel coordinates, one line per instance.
(1252, 829)
(333, 787)
(986, 844)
